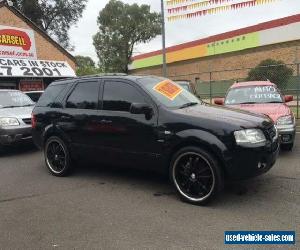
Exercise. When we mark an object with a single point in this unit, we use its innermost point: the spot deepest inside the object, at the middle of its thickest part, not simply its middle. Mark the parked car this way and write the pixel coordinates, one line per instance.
(15, 117)
(187, 86)
(34, 95)
(264, 98)
(152, 123)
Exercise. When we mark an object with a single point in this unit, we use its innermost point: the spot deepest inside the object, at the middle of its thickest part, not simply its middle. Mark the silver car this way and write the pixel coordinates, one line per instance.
(15, 117)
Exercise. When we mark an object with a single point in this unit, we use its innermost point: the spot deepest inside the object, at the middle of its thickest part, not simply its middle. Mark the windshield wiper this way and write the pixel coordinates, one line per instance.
(274, 102)
(8, 107)
(189, 104)
(248, 103)
(28, 105)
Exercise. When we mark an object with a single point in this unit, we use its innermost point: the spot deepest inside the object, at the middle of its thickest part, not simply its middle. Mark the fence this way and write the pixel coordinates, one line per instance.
(210, 85)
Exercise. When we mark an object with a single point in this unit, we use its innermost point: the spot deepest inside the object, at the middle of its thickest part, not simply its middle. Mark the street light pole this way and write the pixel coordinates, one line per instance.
(165, 74)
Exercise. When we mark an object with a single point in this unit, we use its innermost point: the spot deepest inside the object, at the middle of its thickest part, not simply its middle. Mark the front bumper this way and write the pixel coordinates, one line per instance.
(287, 133)
(13, 135)
(246, 163)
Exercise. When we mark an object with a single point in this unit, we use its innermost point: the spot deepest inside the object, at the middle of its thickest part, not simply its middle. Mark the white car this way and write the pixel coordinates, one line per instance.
(15, 117)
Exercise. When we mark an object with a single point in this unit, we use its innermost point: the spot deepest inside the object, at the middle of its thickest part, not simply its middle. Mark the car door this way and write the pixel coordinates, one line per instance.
(79, 118)
(128, 138)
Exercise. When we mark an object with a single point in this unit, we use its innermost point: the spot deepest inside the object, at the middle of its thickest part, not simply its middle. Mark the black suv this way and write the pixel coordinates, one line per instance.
(151, 122)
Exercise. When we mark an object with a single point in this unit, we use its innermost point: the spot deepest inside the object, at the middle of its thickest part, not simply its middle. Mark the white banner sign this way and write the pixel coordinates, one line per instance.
(34, 68)
(17, 43)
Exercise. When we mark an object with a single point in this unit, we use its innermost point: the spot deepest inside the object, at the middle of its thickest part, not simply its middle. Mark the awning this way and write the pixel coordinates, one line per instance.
(10, 67)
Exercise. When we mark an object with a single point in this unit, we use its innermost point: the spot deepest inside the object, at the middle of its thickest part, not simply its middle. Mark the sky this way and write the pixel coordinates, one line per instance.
(180, 31)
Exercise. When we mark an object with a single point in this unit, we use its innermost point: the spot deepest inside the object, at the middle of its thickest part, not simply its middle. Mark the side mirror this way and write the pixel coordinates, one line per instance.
(142, 108)
(219, 101)
(288, 98)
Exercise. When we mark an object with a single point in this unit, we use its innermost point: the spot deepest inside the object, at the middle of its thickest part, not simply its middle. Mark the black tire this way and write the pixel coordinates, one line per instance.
(187, 175)
(287, 147)
(57, 157)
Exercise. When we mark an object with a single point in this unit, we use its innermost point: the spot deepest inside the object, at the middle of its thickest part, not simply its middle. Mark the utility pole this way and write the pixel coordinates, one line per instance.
(165, 74)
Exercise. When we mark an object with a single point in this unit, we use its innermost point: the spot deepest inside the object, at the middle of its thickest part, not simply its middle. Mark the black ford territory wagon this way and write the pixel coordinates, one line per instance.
(152, 123)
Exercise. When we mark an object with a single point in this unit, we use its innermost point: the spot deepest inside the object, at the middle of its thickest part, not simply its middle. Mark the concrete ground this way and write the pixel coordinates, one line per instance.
(110, 208)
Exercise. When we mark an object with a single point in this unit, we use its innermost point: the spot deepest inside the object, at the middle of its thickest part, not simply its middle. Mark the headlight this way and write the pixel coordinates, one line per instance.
(285, 120)
(6, 122)
(250, 138)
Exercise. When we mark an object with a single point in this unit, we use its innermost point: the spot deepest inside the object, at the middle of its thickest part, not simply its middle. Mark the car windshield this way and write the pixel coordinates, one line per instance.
(169, 93)
(13, 99)
(253, 94)
(185, 86)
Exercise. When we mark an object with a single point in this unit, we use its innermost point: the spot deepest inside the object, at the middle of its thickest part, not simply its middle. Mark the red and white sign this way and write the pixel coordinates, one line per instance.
(31, 85)
(17, 43)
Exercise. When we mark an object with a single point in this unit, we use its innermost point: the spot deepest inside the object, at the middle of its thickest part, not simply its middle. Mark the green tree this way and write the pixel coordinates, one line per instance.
(85, 66)
(53, 16)
(269, 69)
(121, 27)
(84, 61)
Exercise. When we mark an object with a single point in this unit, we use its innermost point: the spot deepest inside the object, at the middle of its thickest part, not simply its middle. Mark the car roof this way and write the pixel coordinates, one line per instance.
(252, 83)
(104, 76)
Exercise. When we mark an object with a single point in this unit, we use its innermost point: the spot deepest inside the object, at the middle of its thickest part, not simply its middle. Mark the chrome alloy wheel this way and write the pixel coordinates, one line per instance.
(56, 157)
(193, 176)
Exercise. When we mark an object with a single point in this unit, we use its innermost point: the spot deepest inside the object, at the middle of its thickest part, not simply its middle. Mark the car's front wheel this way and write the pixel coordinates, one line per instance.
(57, 157)
(196, 175)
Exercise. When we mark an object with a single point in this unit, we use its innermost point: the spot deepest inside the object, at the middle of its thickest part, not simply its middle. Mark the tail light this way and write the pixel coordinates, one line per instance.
(33, 121)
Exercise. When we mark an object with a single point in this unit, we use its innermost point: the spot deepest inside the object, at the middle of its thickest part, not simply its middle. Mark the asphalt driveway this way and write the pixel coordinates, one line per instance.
(111, 208)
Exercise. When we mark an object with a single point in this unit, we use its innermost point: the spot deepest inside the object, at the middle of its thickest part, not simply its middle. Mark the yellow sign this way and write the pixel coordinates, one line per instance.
(168, 89)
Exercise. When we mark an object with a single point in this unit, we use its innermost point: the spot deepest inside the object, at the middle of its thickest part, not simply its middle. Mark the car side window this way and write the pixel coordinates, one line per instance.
(84, 96)
(52, 93)
(118, 96)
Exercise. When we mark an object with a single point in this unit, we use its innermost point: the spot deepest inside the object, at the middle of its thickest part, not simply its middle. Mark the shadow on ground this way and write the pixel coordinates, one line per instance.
(18, 150)
(156, 184)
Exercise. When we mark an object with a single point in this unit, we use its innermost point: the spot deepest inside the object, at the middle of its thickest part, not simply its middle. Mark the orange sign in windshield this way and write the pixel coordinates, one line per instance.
(168, 89)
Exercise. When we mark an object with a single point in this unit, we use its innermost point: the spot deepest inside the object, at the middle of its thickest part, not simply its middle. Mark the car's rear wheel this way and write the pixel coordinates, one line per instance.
(57, 157)
(196, 175)
(287, 147)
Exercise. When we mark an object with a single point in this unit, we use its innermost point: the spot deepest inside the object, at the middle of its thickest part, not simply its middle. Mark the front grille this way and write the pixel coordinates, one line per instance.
(27, 121)
(272, 133)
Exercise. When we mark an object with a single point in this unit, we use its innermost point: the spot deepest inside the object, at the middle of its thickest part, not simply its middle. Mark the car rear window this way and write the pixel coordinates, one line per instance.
(51, 95)
(34, 96)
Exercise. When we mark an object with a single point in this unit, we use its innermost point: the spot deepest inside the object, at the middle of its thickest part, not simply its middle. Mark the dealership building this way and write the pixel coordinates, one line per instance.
(29, 58)
(229, 55)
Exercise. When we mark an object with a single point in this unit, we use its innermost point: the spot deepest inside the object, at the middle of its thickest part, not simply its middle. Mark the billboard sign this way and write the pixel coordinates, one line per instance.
(35, 68)
(17, 43)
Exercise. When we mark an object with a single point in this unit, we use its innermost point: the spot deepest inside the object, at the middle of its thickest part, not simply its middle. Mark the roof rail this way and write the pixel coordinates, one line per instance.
(105, 74)
(64, 79)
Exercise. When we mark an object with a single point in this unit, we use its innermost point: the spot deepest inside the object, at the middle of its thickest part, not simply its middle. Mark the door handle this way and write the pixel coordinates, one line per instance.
(65, 117)
(105, 121)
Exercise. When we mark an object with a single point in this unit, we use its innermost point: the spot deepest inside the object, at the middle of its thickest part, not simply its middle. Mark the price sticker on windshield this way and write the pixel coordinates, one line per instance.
(168, 89)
